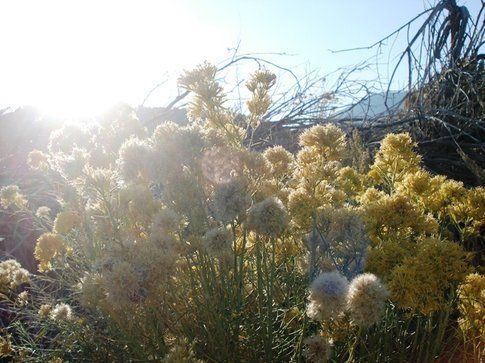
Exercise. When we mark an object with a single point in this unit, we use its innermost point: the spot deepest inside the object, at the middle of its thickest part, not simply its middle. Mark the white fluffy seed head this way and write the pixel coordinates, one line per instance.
(318, 349)
(327, 296)
(61, 312)
(366, 299)
(231, 200)
(218, 241)
(268, 217)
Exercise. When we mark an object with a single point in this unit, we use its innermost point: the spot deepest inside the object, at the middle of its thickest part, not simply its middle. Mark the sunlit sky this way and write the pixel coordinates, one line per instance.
(80, 57)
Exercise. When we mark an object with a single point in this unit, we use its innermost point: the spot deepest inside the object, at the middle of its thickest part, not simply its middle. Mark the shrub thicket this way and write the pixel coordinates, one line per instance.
(186, 244)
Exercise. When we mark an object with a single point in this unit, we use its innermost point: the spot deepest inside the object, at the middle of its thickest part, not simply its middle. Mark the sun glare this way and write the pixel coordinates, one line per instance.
(77, 93)
(78, 59)
(74, 100)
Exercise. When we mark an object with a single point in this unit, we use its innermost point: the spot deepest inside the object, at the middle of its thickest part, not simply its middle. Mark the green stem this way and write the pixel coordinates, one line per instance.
(354, 345)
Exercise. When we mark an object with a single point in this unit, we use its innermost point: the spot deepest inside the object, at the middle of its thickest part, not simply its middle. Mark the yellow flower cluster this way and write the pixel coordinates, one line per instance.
(316, 181)
(10, 195)
(395, 159)
(61, 312)
(410, 214)
(350, 182)
(472, 305)
(44, 311)
(259, 85)
(396, 217)
(12, 275)
(420, 281)
(302, 206)
(6, 348)
(207, 106)
(327, 141)
(280, 161)
(50, 246)
(38, 160)
(66, 221)
(468, 212)
(134, 159)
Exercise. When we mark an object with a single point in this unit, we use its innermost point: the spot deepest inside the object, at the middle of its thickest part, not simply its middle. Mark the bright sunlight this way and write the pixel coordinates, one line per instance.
(76, 60)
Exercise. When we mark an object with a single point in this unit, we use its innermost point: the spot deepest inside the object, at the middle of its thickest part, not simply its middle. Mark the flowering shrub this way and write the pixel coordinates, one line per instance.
(185, 244)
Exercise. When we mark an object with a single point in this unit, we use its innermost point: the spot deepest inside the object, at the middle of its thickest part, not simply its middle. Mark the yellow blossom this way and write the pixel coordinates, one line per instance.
(420, 281)
(61, 312)
(395, 217)
(280, 160)
(472, 305)
(6, 348)
(259, 85)
(44, 311)
(38, 160)
(302, 207)
(43, 212)
(327, 139)
(66, 221)
(350, 181)
(395, 159)
(23, 298)
(10, 195)
(134, 159)
(12, 275)
(49, 246)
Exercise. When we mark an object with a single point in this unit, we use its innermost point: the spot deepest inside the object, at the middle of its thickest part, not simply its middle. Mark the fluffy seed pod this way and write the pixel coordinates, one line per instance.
(327, 296)
(318, 349)
(268, 217)
(366, 299)
(231, 200)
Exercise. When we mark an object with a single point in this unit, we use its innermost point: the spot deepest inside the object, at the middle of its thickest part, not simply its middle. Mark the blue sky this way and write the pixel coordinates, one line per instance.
(80, 57)
(309, 28)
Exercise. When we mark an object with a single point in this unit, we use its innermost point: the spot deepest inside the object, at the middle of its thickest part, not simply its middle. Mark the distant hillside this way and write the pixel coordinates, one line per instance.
(372, 106)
